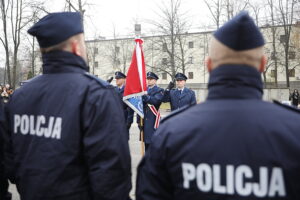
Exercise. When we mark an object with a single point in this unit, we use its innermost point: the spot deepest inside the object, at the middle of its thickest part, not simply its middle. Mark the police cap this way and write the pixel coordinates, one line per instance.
(152, 75)
(240, 33)
(55, 28)
(119, 75)
(180, 76)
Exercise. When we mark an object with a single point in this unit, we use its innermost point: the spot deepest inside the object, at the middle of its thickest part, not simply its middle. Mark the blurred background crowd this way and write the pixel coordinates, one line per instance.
(5, 92)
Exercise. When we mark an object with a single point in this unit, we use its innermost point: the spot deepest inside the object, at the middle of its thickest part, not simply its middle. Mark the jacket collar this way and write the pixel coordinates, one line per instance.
(150, 89)
(180, 93)
(235, 82)
(63, 62)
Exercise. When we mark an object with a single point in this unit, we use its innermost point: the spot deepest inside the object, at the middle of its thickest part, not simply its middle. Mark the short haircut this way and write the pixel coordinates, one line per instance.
(61, 46)
(221, 54)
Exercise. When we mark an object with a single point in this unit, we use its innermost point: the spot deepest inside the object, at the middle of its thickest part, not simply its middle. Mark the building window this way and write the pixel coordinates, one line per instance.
(95, 51)
(291, 72)
(282, 38)
(190, 61)
(273, 55)
(117, 49)
(191, 75)
(164, 61)
(292, 55)
(165, 47)
(96, 64)
(164, 76)
(191, 45)
(273, 73)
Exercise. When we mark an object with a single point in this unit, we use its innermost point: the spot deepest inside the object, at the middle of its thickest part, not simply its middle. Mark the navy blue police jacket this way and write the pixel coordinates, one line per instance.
(3, 178)
(233, 146)
(154, 97)
(179, 99)
(68, 139)
(128, 112)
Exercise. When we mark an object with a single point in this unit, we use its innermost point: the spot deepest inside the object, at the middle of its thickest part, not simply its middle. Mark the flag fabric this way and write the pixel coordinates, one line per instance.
(136, 80)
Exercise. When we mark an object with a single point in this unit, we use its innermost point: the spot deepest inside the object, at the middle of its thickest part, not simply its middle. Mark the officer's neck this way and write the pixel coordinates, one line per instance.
(152, 86)
(121, 86)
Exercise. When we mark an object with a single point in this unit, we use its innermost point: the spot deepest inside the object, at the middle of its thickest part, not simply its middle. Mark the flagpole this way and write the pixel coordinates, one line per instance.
(137, 30)
(142, 137)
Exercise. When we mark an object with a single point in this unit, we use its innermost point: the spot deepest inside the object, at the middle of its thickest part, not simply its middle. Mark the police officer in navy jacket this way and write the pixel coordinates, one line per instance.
(128, 112)
(4, 194)
(154, 97)
(180, 97)
(234, 145)
(67, 141)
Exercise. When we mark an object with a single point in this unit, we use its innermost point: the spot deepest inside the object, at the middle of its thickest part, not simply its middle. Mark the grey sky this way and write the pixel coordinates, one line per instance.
(102, 15)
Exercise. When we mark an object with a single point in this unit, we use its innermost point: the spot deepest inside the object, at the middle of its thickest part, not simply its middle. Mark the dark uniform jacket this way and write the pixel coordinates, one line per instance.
(233, 146)
(295, 98)
(154, 97)
(3, 179)
(68, 140)
(128, 112)
(179, 99)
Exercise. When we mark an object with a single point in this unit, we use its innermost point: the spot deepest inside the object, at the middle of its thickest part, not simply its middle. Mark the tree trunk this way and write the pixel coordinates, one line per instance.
(5, 42)
(265, 77)
(81, 11)
(287, 67)
(15, 63)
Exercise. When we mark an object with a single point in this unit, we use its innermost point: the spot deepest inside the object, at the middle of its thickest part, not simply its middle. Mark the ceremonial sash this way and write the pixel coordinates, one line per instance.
(157, 115)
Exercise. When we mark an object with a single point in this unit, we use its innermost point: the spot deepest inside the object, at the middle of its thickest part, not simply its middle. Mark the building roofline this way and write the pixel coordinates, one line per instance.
(103, 39)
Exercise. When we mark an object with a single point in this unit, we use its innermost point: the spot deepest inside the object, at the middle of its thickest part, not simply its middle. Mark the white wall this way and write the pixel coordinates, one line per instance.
(269, 94)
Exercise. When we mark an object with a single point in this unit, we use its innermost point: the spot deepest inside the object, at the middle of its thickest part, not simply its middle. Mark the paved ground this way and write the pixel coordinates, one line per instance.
(135, 150)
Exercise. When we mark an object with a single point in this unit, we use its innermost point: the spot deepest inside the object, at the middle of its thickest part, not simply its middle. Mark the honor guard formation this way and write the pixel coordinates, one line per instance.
(64, 134)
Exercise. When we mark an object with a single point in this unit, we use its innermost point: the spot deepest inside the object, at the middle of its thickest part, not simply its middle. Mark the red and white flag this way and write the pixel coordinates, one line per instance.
(136, 80)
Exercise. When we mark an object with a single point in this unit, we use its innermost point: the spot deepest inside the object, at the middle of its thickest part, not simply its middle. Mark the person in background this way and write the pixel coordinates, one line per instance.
(180, 97)
(5, 94)
(151, 104)
(8, 89)
(295, 98)
(234, 145)
(128, 112)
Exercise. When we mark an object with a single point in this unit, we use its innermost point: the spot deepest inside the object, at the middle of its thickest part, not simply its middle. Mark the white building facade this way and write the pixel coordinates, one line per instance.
(105, 57)
(108, 56)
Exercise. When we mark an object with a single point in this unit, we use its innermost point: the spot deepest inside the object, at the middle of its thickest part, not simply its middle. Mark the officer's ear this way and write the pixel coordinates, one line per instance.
(208, 64)
(263, 63)
(75, 46)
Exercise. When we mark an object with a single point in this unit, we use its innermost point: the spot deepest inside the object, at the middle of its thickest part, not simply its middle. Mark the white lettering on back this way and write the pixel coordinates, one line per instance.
(237, 180)
(189, 173)
(41, 126)
(277, 185)
(204, 177)
(24, 124)
(17, 123)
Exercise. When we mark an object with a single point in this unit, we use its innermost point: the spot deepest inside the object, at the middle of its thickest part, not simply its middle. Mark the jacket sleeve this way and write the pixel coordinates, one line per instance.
(3, 179)
(9, 165)
(166, 96)
(153, 180)
(130, 116)
(193, 99)
(155, 99)
(106, 149)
